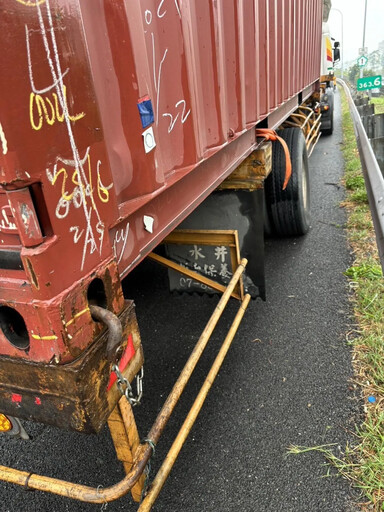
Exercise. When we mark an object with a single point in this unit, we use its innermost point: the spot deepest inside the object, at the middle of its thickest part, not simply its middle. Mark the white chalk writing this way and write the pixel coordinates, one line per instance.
(4, 143)
(183, 113)
(187, 282)
(161, 13)
(224, 272)
(173, 120)
(220, 253)
(196, 252)
(81, 181)
(120, 242)
(211, 261)
(77, 233)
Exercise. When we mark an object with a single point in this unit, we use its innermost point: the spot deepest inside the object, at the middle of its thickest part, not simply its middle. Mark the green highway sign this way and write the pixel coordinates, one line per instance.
(362, 61)
(369, 82)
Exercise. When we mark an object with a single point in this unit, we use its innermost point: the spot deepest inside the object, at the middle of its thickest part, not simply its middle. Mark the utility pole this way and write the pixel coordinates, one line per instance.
(365, 21)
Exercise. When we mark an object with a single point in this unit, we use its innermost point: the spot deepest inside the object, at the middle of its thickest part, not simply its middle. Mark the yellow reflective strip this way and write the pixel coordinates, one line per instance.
(77, 316)
(45, 338)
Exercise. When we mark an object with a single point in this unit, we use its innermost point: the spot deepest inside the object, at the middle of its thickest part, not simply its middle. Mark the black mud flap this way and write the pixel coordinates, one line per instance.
(224, 210)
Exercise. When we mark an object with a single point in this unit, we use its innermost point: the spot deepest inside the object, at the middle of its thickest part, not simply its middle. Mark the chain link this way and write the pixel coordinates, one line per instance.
(125, 387)
(139, 384)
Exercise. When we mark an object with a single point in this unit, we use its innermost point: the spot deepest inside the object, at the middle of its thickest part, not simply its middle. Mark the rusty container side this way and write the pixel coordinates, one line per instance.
(212, 71)
(117, 118)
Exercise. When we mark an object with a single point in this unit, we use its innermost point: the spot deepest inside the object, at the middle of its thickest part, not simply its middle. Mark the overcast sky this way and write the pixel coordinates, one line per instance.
(353, 17)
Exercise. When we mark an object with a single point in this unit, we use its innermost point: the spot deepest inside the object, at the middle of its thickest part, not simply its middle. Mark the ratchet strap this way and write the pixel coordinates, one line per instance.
(272, 135)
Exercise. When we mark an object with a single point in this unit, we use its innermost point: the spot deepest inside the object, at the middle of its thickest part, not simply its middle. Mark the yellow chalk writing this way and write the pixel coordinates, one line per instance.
(41, 109)
(31, 3)
(83, 181)
(102, 191)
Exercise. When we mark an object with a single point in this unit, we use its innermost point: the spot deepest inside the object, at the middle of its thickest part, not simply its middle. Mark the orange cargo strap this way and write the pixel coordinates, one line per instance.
(272, 135)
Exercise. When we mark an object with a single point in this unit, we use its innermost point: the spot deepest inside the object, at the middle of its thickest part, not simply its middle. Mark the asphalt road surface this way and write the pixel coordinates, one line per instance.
(286, 380)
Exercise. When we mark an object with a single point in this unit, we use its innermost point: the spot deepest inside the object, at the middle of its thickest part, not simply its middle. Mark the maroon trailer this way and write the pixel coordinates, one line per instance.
(117, 120)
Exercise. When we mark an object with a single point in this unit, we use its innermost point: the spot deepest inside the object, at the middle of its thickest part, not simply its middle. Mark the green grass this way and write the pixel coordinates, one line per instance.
(359, 196)
(362, 463)
(354, 182)
(370, 271)
(379, 104)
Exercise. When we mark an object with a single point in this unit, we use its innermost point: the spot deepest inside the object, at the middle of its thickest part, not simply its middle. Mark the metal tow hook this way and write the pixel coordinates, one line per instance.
(115, 330)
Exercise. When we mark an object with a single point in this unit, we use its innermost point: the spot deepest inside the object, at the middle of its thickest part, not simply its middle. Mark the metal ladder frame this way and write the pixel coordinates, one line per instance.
(135, 455)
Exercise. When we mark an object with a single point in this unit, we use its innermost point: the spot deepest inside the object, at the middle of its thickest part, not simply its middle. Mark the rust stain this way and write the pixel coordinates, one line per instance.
(75, 394)
(35, 282)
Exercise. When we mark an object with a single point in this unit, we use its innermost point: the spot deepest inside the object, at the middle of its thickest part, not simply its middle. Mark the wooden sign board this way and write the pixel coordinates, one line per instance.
(212, 253)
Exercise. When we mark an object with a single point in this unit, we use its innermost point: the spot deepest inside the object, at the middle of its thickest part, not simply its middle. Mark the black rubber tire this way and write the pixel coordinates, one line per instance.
(330, 99)
(289, 210)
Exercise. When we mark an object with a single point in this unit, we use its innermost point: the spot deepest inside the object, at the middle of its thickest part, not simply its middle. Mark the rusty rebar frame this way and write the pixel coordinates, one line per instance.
(144, 451)
(309, 121)
(185, 429)
(190, 273)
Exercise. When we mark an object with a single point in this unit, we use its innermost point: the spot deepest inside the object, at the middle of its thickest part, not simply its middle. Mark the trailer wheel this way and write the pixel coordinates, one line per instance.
(327, 117)
(289, 210)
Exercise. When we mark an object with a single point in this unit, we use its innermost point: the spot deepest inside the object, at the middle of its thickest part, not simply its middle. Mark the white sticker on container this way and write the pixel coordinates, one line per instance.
(149, 140)
(148, 223)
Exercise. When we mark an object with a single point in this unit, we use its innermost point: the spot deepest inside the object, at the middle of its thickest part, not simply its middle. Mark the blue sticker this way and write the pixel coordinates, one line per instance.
(146, 111)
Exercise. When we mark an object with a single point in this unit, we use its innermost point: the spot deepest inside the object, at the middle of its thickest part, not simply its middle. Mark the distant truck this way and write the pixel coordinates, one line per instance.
(329, 56)
(119, 121)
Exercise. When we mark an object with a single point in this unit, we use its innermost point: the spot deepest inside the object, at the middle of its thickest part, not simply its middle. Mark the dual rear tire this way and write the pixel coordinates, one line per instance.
(287, 212)
(327, 116)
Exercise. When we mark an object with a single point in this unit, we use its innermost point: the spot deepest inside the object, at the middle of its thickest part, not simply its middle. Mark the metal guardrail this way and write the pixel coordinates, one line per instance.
(374, 180)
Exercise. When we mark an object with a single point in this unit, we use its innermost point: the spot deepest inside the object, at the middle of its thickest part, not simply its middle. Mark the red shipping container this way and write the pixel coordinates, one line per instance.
(117, 118)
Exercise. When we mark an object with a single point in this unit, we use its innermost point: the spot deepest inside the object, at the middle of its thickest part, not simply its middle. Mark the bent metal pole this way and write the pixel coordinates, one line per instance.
(103, 495)
(173, 453)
